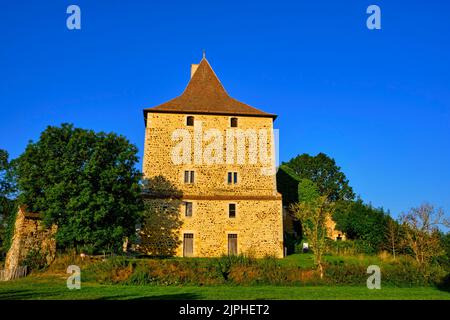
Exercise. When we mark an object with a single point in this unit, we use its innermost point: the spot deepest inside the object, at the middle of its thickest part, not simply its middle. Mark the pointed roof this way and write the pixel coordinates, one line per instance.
(205, 94)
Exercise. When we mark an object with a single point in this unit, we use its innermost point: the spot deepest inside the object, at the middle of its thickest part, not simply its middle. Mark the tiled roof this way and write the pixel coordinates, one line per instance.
(205, 94)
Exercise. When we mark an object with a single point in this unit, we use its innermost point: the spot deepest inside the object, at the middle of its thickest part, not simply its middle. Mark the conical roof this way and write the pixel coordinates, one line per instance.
(205, 94)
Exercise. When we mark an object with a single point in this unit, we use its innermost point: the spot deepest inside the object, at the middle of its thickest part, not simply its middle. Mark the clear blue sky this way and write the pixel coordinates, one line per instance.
(376, 101)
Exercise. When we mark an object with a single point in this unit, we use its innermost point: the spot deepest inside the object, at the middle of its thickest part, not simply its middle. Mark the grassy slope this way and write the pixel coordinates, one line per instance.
(47, 286)
(35, 287)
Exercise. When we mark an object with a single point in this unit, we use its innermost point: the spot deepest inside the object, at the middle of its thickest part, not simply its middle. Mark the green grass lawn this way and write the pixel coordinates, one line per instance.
(47, 287)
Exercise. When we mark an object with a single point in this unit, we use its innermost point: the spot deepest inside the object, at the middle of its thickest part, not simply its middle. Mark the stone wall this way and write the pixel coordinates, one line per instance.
(258, 222)
(30, 234)
(257, 225)
(211, 179)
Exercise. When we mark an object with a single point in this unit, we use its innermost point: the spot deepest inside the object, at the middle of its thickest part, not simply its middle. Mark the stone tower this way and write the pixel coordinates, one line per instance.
(220, 153)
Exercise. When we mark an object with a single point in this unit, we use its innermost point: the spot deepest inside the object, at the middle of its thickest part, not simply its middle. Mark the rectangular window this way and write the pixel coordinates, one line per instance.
(232, 210)
(188, 245)
(188, 209)
(233, 122)
(232, 244)
(190, 121)
(188, 176)
(232, 177)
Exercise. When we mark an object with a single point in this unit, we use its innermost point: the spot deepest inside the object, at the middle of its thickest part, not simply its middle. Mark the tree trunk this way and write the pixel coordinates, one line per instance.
(320, 268)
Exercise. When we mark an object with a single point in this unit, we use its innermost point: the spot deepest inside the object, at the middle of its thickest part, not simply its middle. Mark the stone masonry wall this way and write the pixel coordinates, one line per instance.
(211, 179)
(257, 225)
(258, 222)
(30, 234)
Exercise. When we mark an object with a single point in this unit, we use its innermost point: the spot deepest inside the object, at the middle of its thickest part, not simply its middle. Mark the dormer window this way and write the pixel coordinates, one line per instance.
(233, 122)
(190, 121)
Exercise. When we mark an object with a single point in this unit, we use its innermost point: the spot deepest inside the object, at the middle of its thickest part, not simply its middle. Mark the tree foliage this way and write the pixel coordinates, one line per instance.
(323, 171)
(7, 202)
(83, 181)
(287, 184)
(360, 221)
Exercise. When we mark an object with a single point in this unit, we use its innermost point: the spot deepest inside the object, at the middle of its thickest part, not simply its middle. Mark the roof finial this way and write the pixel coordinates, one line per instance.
(204, 54)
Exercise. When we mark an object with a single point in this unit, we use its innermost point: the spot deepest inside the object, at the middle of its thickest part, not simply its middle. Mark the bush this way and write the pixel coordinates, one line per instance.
(444, 284)
(350, 247)
(35, 260)
(241, 270)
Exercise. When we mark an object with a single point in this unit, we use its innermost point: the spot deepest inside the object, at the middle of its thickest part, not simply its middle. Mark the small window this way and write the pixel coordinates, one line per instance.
(189, 177)
(234, 122)
(232, 210)
(232, 177)
(188, 209)
(190, 121)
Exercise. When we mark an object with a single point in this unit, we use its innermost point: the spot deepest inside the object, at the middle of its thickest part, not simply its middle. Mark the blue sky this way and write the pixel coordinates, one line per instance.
(377, 101)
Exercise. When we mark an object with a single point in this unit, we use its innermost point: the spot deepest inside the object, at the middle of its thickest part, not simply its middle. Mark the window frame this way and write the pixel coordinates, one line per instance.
(232, 178)
(189, 176)
(232, 236)
(230, 210)
(188, 205)
(188, 121)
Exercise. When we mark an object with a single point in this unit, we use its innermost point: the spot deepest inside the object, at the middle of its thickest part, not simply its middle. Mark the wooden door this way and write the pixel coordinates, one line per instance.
(188, 245)
(232, 244)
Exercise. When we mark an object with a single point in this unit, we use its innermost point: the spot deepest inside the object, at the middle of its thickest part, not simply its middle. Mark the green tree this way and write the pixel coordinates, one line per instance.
(445, 243)
(7, 203)
(85, 182)
(312, 210)
(323, 171)
(360, 221)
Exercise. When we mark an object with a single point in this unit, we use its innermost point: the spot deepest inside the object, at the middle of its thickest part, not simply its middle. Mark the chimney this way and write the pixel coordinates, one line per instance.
(193, 69)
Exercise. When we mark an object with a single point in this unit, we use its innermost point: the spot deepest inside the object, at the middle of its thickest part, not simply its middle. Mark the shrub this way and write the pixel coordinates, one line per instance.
(35, 260)
(444, 284)
(242, 270)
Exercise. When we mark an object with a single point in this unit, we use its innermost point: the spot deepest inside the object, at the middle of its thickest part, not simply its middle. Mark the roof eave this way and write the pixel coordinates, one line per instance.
(266, 115)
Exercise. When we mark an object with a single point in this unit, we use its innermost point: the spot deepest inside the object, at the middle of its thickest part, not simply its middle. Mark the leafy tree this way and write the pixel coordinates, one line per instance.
(360, 221)
(313, 210)
(287, 184)
(83, 181)
(323, 171)
(7, 203)
(421, 227)
(445, 242)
